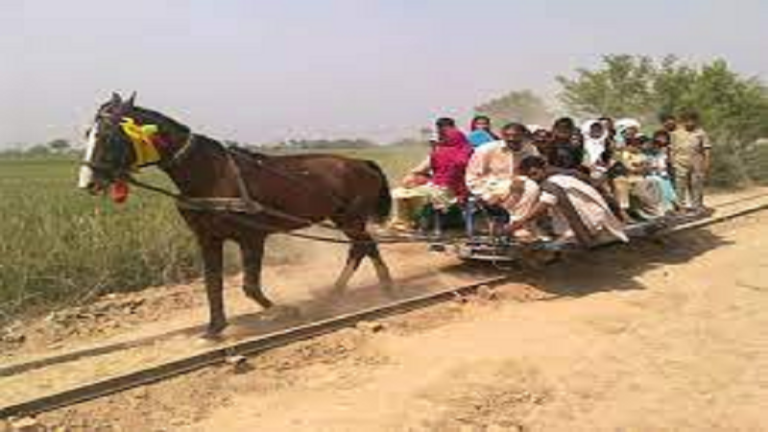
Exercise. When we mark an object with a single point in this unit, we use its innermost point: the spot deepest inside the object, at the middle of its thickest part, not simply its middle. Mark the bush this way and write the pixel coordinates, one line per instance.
(757, 163)
(728, 169)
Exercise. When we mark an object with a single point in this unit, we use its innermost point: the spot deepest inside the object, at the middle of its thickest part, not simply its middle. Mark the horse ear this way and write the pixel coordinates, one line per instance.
(116, 99)
(131, 102)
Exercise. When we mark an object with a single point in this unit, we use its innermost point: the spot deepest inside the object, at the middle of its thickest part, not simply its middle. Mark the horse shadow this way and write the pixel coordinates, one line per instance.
(323, 305)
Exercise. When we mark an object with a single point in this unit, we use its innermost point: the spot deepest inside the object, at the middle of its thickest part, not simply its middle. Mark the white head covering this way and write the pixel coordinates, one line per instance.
(593, 147)
(622, 125)
(626, 123)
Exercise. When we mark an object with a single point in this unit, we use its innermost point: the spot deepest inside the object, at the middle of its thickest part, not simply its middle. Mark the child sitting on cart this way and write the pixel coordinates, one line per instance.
(639, 196)
(657, 152)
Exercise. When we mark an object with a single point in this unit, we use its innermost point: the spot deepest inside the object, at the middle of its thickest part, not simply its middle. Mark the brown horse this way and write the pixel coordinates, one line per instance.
(299, 190)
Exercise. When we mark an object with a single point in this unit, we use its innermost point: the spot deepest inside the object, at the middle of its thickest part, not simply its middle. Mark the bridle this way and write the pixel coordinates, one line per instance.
(123, 170)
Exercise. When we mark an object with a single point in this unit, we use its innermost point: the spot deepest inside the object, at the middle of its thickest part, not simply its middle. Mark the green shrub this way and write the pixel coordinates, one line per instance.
(728, 169)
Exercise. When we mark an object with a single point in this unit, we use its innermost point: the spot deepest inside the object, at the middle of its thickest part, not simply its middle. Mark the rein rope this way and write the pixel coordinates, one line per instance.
(233, 214)
(238, 209)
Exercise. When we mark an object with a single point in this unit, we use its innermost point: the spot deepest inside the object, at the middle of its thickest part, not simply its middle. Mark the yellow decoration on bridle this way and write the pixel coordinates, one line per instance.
(142, 138)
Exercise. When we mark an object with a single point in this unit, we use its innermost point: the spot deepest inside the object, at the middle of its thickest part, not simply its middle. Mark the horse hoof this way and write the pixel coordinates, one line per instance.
(213, 333)
(389, 289)
(291, 312)
(282, 313)
(205, 340)
(333, 294)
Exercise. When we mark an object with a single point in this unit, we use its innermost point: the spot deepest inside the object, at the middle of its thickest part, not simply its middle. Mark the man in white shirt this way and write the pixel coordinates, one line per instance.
(492, 171)
(580, 214)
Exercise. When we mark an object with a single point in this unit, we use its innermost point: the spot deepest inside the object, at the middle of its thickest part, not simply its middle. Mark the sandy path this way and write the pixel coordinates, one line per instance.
(636, 345)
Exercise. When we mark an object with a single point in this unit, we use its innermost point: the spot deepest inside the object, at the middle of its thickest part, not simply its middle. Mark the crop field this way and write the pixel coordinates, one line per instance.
(60, 246)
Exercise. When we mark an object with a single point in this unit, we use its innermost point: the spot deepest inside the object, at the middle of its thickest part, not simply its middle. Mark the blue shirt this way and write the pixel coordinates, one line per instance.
(479, 137)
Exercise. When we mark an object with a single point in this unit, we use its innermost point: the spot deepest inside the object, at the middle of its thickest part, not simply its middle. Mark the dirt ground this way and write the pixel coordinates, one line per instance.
(649, 347)
(649, 337)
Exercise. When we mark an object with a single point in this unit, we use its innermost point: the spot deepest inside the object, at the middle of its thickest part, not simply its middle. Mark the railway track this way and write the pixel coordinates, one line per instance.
(259, 344)
(246, 347)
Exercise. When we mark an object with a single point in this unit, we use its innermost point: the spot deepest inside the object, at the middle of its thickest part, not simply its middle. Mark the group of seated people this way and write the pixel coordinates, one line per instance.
(580, 184)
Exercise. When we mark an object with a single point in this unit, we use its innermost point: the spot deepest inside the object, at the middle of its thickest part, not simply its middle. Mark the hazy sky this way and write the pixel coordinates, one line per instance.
(259, 70)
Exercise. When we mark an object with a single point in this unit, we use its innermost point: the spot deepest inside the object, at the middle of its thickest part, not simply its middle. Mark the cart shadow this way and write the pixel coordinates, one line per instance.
(618, 267)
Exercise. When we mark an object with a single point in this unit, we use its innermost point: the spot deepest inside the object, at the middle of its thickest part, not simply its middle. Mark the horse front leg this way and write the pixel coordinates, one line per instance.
(252, 251)
(213, 261)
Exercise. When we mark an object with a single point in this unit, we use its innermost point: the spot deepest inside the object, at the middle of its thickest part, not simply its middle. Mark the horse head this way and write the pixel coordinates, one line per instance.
(124, 138)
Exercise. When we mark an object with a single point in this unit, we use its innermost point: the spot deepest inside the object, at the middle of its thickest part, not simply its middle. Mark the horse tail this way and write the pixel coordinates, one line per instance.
(384, 203)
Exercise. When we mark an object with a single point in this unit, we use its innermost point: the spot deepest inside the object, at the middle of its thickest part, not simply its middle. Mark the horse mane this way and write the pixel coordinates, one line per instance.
(205, 140)
(156, 116)
(248, 152)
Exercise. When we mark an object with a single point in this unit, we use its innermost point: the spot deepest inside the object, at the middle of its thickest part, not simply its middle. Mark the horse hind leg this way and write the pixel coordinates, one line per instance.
(252, 254)
(364, 246)
(354, 258)
(382, 270)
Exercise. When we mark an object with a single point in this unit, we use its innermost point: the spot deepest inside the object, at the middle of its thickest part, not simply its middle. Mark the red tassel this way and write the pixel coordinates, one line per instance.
(119, 192)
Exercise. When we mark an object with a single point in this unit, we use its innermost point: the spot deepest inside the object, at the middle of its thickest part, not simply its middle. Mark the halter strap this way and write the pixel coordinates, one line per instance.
(143, 139)
(181, 153)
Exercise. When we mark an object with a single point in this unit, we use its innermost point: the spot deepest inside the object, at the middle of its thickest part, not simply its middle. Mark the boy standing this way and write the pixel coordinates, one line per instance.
(690, 156)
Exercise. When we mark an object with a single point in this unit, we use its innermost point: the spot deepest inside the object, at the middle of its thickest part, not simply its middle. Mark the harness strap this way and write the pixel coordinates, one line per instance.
(243, 204)
(181, 153)
(231, 209)
(251, 205)
(289, 176)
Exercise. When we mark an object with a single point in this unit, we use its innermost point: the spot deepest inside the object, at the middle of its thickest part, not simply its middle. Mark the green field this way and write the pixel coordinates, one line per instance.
(60, 246)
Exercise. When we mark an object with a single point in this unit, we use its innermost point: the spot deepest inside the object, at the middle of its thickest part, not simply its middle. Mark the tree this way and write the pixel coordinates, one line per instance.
(59, 145)
(640, 87)
(38, 150)
(523, 106)
(734, 108)
(623, 86)
(672, 83)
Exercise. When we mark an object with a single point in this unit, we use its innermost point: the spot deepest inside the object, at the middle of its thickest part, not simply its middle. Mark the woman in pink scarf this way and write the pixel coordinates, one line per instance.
(449, 161)
(438, 180)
